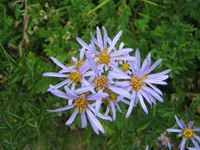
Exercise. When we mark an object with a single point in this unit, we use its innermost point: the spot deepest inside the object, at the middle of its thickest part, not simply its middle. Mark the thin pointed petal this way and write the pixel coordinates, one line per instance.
(116, 38)
(142, 103)
(96, 96)
(179, 122)
(131, 105)
(82, 43)
(182, 145)
(83, 120)
(120, 91)
(95, 121)
(113, 110)
(54, 74)
(174, 130)
(72, 117)
(58, 63)
(61, 109)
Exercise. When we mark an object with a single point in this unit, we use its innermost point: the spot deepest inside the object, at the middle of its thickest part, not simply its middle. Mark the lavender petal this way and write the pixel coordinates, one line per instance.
(72, 117)
(61, 109)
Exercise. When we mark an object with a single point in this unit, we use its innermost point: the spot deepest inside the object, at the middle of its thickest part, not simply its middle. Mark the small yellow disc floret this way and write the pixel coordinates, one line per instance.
(188, 133)
(81, 103)
(125, 67)
(101, 82)
(104, 58)
(137, 83)
(75, 76)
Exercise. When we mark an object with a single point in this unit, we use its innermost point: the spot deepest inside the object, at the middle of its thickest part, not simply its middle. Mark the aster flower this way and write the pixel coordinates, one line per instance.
(100, 82)
(72, 74)
(187, 132)
(107, 55)
(81, 104)
(140, 82)
(165, 141)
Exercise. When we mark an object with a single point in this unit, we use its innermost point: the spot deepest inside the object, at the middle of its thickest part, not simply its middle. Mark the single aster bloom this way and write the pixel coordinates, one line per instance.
(81, 104)
(108, 54)
(187, 132)
(165, 141)
(73, 74)
(140, 82)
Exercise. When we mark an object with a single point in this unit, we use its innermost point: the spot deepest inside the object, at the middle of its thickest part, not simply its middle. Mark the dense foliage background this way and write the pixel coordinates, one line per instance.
(33, 30)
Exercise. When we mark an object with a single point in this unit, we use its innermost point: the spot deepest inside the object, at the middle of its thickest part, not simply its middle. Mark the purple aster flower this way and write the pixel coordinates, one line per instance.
(81, 104)
(165, 141)
(187, 132)
(107, 54)
(100, 82)
(140, 82)
(72, 74)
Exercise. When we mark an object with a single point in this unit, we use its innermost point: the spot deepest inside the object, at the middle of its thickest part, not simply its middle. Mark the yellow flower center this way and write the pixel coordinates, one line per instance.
(101, 82)
(125, 67)
(137, 83)
(79, 63)
(75, 76)
(112, 96)
(188, 133)
(81, 103)
(104, 58)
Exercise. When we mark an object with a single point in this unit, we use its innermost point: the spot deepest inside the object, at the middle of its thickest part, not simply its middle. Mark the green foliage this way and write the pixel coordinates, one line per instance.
(32, 31)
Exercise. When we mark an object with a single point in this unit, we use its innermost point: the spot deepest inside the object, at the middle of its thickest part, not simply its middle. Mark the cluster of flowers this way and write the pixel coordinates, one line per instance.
(106, 75)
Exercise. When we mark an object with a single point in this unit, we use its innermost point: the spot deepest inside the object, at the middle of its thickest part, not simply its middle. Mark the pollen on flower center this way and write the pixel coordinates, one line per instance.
(125, 67)
(104, 58)
(137, 83)
(75, 76)
(188, 133)
(81, 103)
(101, 82)
(79, 63)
